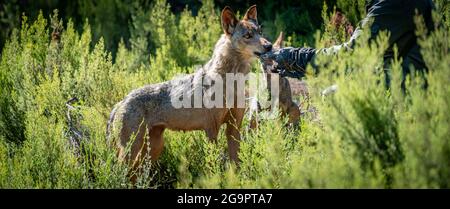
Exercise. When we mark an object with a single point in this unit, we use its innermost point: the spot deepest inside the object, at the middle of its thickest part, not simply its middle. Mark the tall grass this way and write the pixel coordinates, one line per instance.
(364, 136)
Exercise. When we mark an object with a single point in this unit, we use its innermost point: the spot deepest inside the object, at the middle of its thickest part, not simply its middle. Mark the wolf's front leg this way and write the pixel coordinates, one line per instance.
(233, 132)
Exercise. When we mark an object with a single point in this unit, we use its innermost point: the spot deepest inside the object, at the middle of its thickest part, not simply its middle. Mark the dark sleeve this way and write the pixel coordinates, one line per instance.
(302, 56)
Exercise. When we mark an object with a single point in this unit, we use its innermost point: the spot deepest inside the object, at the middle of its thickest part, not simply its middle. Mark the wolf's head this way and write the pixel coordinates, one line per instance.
(245, 35)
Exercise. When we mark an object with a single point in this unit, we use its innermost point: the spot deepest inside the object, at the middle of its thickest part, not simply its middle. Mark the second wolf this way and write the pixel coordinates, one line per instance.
(284, 91)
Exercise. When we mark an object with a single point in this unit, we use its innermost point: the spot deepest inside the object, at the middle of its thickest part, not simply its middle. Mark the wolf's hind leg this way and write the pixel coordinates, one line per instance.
(138, 145)
(156, 141)
(131, 140)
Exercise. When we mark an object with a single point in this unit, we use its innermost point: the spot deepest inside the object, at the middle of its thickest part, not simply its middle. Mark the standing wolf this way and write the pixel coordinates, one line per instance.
(146, 112)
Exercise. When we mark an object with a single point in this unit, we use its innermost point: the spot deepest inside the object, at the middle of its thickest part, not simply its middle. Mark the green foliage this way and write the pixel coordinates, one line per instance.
(363, 136)
(333, 34)
(443, 8)
(354, 10)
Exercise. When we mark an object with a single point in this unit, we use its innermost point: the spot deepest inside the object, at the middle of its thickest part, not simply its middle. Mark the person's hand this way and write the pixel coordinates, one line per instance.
(290, 61)
(281, 57)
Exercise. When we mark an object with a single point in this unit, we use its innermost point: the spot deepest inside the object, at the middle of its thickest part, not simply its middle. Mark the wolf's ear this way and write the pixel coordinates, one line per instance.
(279, 42)
(251, 14)
(229, 20)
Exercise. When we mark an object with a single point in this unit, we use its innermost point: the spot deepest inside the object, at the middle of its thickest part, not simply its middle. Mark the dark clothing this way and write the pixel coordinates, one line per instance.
(395, 16)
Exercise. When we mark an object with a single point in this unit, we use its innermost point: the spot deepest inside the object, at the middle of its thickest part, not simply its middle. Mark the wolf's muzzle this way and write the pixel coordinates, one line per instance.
(268, 47)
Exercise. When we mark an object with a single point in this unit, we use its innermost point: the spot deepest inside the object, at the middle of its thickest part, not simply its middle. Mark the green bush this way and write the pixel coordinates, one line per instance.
(363, 136)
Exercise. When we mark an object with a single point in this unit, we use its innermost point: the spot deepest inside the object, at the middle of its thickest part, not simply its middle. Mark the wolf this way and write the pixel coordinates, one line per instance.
(139, 120)
(287, 88)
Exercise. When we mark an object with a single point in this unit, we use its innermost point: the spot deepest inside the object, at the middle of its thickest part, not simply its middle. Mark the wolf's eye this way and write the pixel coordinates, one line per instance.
(247, 36)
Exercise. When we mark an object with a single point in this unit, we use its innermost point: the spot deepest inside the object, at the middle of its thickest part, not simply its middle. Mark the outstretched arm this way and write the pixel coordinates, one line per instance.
(292, 62)
(394, 16)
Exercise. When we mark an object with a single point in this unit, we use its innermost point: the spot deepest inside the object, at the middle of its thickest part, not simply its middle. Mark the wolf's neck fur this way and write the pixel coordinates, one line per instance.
(227, 59)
